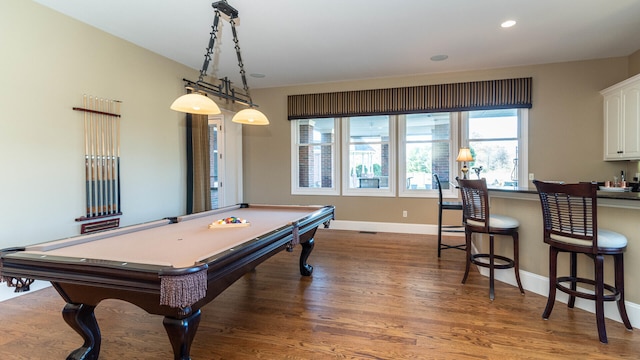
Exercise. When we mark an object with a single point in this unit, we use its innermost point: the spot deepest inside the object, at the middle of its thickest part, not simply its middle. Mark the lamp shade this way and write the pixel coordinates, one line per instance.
(250, 116)
(195, 103)
(464, 155)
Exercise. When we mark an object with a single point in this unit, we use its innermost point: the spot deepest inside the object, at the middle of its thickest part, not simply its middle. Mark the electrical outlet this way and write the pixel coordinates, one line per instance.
(531, 176)
(404, 213)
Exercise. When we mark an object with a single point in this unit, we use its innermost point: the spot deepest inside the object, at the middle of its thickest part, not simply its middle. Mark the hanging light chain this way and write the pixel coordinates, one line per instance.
(224, 88)
(212, 41)
(245, 86)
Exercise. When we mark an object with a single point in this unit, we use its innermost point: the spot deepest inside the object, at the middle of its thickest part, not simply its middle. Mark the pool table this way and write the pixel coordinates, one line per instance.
(170, 267)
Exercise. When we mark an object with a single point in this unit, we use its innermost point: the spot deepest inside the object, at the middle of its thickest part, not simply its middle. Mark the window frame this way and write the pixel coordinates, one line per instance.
(295, 162)
(345, 145)
(523, 142)
(450, 193)
(397, 153)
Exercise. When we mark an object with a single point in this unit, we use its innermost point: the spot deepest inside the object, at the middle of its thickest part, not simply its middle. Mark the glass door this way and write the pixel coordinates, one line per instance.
(215, 126)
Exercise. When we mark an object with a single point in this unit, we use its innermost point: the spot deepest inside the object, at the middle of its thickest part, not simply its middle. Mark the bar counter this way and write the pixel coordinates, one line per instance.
(625, 199)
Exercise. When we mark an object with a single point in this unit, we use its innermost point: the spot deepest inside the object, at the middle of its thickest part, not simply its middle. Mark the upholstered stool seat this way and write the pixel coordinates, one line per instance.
(478, 219)
(606, 239)
(569, 213)
(498, 222)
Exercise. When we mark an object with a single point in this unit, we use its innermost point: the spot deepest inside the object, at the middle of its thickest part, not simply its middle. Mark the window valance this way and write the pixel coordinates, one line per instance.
(477, 95)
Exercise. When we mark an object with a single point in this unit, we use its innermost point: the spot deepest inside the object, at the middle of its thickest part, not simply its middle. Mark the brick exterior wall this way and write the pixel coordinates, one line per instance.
(326, 157)
(440, 157)
(305, 154)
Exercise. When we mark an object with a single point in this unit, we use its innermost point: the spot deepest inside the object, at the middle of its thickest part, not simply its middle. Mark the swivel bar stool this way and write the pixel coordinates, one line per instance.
(477, 219)
(570, 220)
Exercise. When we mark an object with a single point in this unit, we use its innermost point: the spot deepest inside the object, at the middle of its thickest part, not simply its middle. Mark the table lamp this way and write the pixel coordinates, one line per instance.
(463, 156)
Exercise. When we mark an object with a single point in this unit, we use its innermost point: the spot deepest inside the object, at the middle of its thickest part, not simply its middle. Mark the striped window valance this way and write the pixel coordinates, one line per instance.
(476, 95)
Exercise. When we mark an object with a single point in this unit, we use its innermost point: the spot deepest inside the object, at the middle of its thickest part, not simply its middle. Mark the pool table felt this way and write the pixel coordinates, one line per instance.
(180, 244)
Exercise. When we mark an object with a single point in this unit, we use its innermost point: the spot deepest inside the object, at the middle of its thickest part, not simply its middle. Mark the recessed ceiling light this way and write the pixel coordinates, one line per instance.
(439, 57)
(256, 75)
(508, 23)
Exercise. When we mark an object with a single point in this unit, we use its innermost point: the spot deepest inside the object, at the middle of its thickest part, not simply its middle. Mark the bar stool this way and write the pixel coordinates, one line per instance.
(569, 214)
(477, 219)
(446, 205)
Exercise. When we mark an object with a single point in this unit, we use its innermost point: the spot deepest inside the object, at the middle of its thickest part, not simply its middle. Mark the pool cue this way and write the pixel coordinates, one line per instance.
(116, 178)
(87, 165)
(96, 147)
(118, 206)
(107, 153)
(118, 153)
(96, 135)
(114, 167)
(105, 146)
(110, 159)
(103, 183)
(107, 184)
(101, 144)
(107, 169)
(94, 188)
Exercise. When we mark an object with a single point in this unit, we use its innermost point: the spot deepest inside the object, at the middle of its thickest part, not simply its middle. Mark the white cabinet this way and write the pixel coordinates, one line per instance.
(622, 120)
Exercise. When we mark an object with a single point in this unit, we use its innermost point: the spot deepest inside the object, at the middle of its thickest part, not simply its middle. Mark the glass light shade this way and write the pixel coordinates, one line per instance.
(250, 116)
(195, 103)
(464, 155)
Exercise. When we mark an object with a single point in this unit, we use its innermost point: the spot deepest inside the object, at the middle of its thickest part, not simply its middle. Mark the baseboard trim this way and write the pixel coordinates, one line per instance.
(403, 228)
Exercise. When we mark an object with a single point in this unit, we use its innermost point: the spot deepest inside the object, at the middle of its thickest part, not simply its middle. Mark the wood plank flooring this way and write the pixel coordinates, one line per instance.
(371, 296)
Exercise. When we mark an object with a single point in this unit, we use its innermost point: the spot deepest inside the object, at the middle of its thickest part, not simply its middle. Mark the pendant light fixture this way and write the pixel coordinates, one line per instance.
(197, 100)
(196, 103)
(250, 116)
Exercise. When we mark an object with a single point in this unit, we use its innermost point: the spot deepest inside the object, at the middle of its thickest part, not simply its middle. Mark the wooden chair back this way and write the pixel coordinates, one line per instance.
(569, 215)
(475, 204)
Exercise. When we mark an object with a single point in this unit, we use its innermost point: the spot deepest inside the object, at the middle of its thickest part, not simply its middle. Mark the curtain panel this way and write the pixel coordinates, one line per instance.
(477, 95)
(198, 166)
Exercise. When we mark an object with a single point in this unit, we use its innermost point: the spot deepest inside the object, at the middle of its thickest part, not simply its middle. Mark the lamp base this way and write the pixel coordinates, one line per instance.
(465, 170)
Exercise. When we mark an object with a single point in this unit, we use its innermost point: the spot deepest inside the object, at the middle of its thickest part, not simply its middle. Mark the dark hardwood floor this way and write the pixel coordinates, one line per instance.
(371, 296)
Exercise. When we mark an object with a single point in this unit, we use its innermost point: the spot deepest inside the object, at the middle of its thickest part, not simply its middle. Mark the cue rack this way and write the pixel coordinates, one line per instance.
(101, 161)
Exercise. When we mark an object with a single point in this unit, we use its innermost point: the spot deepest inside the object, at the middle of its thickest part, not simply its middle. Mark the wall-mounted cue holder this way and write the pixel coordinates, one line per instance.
(101, 161)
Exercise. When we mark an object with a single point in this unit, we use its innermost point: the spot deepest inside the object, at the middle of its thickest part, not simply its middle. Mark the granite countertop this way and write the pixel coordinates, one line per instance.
(601, 194)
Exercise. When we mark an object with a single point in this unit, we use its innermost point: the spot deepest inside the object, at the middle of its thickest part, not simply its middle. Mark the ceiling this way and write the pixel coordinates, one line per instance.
(294, 42)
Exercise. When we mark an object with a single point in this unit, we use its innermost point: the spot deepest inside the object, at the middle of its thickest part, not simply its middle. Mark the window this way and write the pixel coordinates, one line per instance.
(314, 157)
(377, 162)
(427, 147)
(498, 142)
(368, 155)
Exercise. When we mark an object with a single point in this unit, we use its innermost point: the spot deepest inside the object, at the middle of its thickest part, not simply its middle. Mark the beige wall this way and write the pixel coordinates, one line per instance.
(48, 62)
(565, 136)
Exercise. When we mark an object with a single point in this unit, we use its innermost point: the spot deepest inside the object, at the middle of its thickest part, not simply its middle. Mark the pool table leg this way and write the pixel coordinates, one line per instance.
(181, 333)
(307, 247)
(82, 319)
